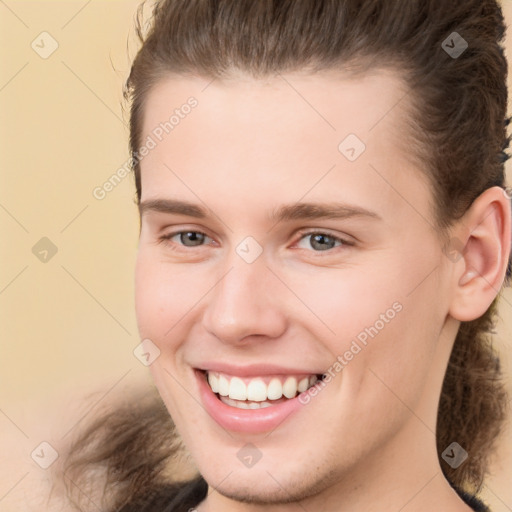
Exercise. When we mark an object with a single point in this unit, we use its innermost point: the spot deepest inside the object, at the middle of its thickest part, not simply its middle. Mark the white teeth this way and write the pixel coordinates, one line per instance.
(237, 389)
(223, 386)
(290, 387)
(245, 405)
(236, 403)
(214, 382)
(274, 389)
(303, 385)
(257, 390)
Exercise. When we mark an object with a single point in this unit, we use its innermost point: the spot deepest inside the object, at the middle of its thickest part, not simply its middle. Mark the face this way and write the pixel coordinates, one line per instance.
(274, 249)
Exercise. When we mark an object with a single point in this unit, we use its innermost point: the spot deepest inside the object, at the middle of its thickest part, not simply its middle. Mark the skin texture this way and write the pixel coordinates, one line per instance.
(367, 440)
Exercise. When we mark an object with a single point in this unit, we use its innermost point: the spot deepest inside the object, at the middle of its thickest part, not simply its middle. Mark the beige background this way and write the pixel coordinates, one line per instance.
(68, 324)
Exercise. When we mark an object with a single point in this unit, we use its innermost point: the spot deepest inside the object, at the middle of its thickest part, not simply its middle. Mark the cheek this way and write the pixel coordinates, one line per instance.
(381, 336)
(396, 359)
(163, 298)
(347, 305)
(148, 296)
(164, 295)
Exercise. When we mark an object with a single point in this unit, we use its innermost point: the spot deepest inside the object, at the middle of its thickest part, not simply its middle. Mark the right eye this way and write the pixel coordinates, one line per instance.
(185, 238)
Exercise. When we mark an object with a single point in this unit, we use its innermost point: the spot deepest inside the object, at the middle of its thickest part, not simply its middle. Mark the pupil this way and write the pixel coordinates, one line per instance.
(319, 242)
(191, 236)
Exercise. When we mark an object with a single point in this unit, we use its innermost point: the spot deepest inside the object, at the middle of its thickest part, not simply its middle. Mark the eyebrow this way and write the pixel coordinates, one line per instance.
(296, 211)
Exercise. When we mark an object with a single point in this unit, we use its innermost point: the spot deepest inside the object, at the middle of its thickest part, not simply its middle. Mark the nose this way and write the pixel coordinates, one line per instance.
(244, 304)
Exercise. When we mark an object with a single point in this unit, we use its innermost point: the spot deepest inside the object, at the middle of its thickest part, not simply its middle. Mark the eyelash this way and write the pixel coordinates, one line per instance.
(166, 239)
(343, 242)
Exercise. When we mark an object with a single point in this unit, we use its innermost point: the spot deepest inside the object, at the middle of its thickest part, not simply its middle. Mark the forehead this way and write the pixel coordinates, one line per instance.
(331, 102)
(255, 135)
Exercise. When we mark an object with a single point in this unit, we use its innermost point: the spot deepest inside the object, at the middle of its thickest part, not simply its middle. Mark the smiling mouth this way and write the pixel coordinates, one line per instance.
(258, 392)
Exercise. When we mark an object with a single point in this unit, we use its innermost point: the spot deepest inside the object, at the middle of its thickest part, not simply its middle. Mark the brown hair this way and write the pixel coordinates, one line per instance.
(458, 124)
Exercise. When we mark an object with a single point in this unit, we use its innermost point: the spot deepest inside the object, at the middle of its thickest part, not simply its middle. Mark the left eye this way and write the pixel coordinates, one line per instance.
(321, 241)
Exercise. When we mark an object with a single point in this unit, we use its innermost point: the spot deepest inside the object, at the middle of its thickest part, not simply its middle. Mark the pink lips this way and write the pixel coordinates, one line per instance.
(244, 420)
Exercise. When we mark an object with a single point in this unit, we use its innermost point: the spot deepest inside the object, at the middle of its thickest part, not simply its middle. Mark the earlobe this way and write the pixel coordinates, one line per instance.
(485, 235)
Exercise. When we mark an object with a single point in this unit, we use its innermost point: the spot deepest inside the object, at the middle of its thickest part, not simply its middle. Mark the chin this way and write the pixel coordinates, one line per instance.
(267, 492)
(267, 483)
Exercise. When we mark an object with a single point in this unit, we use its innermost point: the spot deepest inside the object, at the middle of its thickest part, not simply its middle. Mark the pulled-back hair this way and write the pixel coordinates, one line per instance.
(458, 125)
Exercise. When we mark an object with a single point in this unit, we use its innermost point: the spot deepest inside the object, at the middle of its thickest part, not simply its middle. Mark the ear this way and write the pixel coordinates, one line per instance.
(483, 239)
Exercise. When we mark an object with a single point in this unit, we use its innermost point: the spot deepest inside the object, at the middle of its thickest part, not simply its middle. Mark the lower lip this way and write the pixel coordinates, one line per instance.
(245, 420)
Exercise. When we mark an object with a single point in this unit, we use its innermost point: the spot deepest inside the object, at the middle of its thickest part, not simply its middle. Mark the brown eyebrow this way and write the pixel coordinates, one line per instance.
(300, 211)
(172, 206)
(297, 211)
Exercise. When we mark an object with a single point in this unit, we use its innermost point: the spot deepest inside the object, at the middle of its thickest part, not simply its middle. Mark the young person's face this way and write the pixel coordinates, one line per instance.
(366, 302)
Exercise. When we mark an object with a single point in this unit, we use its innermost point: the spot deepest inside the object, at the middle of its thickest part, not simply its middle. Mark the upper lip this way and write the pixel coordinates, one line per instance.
(254, 370)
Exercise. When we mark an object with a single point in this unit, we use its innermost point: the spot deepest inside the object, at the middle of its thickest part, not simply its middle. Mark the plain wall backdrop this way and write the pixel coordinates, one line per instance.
(67, 258)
